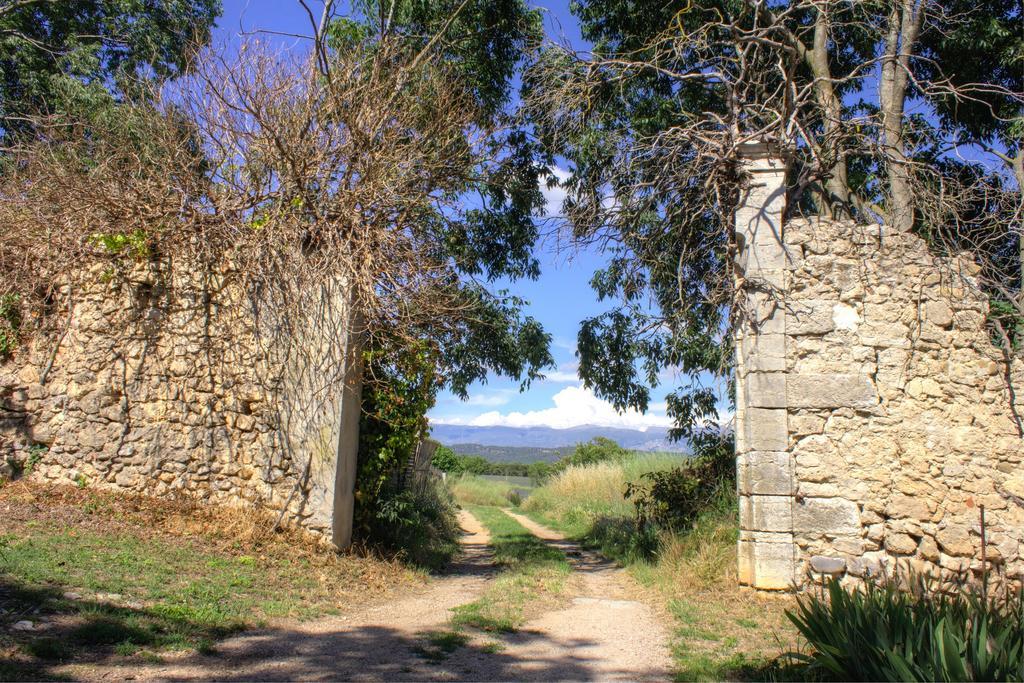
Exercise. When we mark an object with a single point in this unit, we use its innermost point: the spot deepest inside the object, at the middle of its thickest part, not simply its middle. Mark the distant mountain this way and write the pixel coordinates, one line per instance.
(512, 453)
(537, 440)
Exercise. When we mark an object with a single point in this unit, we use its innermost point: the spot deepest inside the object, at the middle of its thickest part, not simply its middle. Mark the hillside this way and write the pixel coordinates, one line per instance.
(531, 444)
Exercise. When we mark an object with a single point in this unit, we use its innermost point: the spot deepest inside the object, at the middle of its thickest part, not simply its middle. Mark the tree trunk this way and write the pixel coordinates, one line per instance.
(903, 28)
(837, 186)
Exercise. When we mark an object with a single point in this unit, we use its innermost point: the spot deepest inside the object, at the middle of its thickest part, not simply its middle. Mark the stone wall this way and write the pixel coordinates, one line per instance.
(174, 381)
(875, 416)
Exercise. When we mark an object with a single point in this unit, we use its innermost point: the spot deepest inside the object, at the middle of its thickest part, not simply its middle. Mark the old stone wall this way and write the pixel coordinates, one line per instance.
(875, 415)
(173, 381)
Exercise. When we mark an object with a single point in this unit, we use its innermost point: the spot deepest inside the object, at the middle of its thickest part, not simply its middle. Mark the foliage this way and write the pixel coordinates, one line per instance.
(90, 46)
(393, 419)
(10, 323)
(445, 459)
(578, 498)
(885, 633)
(675, 498)
(649, 122)
(419, 523)
(598, 449)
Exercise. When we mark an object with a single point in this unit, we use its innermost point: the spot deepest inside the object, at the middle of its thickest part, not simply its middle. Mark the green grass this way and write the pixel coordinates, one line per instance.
(440, 644)
(470, 489)
(534, 574)
(108, 580)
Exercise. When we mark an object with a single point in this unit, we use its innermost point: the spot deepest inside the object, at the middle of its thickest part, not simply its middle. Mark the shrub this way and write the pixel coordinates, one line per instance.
(419, 523)
(884, 633)
(674, 498)
(598, 449)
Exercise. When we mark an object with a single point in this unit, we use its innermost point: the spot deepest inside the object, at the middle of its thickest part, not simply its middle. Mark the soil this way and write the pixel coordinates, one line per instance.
(603, 633)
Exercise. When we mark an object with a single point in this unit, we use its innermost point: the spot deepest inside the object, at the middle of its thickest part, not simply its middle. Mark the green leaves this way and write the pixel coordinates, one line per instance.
(883, 633)
(46, 45)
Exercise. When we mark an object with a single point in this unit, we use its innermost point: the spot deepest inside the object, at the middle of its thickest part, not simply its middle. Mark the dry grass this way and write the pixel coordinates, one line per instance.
(577, 497)
(723, 631)
(470, 489)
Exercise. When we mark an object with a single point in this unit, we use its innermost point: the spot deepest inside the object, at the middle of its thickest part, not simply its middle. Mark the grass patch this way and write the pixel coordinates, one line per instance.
(440, 644)
(533, 575)
(106, 576)
(470, 489)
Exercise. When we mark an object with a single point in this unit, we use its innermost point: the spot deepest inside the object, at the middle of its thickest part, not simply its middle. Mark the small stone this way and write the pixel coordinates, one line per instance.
(955, 540)
(900, 544)
(23, 625)
(828, 565)
(72, 596)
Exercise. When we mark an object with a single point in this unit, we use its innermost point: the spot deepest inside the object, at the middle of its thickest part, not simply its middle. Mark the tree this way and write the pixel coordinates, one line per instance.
(50, 46)
(650, 123)
(341, 175)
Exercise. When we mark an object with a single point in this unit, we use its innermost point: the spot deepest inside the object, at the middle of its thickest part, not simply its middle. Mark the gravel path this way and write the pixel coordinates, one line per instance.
(604, 634)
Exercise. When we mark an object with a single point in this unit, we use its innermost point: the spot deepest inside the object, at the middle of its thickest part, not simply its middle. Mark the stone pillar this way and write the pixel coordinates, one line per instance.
(348, 443)
(764, 463)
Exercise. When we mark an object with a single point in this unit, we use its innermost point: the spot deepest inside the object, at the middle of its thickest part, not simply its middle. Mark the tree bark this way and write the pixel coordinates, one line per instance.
(837, 186)
(904, 24)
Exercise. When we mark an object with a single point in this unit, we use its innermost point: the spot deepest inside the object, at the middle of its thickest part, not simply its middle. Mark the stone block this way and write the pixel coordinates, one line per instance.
(766, 513)
(766, 473)
(809, 317)
(765, 429)
(765, 389)
(830, 391)
(828, 565)
(831, 516)
(769, 561)
(763, 352)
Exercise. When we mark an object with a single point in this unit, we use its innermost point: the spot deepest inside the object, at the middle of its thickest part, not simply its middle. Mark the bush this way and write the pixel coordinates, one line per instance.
(598, 449)
(884, 633)
(419, 523)
(673, 499)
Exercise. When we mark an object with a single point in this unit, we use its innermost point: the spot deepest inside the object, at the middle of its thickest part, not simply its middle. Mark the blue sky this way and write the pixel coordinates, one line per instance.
(559, 299)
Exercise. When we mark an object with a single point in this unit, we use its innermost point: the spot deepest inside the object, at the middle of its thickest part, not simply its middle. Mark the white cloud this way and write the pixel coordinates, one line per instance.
(574, 407)
(554, 196)
(561, 376)
(496, 398)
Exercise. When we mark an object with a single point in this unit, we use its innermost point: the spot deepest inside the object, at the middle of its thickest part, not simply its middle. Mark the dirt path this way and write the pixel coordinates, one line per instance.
(602, 635)
(605, 633)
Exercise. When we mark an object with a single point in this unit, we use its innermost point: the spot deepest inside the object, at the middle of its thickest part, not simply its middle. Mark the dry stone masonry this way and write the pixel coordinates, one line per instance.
(169, 381)
(875, 416)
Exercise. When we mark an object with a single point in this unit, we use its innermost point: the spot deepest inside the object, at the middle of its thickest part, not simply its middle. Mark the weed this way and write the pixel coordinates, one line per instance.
(441, 644)
(51, 649)
(492, 648)
(35, 456)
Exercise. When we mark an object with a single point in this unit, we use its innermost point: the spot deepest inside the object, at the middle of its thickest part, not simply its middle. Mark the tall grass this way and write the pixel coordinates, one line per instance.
(470, 489)
(578, 498)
